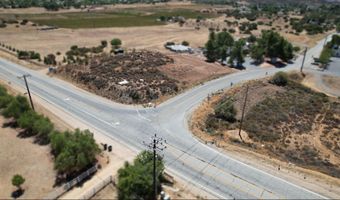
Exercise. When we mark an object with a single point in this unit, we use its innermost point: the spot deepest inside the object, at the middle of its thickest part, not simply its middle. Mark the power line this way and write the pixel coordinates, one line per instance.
(156, 144)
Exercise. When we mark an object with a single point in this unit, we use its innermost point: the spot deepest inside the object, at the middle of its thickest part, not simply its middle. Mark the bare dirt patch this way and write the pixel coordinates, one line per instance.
(20, 156)
(192, 69)
(332, 82)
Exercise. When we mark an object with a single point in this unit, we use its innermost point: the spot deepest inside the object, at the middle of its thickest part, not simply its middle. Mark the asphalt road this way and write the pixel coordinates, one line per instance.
(185, 156)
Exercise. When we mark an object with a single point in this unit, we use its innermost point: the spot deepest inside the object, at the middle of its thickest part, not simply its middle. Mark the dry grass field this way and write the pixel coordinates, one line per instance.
(32, 161)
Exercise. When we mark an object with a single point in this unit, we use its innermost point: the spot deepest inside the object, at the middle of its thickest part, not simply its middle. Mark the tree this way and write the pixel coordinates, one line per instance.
(274, 46)
(237, 53)
(218, 46)
(257, 53)
(252, 38)
(43, 127)
(338, 27)
(17, 181)
(5, 101)
(50, 59)
(16, 107)
(115, 42)
(27, 120)
(210, 51)
(135, 181)
(74, 151)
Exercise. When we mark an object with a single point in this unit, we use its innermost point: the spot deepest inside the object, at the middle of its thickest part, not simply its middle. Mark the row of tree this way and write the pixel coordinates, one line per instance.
(272, 45)
(221, 46)
(73, 151)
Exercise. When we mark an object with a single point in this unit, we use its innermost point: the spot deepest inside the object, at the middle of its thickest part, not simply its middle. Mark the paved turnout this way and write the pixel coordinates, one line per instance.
(185, 156)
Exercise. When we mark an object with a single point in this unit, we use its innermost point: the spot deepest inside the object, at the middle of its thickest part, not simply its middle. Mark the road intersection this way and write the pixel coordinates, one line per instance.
(203, 166)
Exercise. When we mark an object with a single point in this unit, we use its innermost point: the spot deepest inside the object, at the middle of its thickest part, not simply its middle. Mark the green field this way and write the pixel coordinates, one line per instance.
(124, 18)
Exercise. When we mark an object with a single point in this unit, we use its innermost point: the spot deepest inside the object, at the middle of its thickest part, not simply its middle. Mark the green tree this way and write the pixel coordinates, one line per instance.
(115, 42)
(43, 127)
(5, 101)
(275, 46)
(338, 27)
(210, 51)
(17, 181)
(74, 151)
(237, 53)
(257, 53)
(27, 120)
(135, 181)
(50, 59)
(16, 107)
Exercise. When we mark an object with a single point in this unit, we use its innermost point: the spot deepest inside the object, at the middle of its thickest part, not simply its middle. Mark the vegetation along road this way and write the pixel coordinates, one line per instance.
(185, 156)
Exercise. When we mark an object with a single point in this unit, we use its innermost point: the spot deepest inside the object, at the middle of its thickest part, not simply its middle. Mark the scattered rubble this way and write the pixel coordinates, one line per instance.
(133, 77)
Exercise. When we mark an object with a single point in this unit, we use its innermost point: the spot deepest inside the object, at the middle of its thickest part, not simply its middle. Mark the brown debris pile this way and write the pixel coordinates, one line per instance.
(129, 78)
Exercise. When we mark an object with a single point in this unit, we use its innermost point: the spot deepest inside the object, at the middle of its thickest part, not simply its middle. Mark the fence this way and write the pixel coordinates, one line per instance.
(98, 187)
(66, 187)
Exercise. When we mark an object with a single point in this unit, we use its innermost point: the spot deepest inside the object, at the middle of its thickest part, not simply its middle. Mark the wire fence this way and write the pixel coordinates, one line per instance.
(66, 187)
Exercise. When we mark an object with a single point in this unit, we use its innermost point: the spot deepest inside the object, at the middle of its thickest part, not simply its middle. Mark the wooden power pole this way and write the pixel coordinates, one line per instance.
(243, 109)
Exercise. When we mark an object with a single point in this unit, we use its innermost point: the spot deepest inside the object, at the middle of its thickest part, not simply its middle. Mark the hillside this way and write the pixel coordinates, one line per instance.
(291, 123)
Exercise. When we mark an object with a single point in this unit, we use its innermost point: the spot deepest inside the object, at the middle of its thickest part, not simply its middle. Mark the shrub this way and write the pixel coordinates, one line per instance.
(23, 55)
(17, 181)
(185, 43)
(226, 111)
(103, 43)
(5, 100)
(280, 79)
(27, 120)
(43, 127)
(115, 42)
(16, 107)
(50, 59)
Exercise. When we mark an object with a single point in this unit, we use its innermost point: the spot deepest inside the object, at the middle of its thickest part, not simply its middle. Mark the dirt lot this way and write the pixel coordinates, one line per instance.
(20, 156)
(191, 69)
(313, 138)
(60, 40)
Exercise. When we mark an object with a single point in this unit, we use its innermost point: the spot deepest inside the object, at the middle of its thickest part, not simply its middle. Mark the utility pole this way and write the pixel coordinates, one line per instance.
(303, 60)
(27, 88)
(243, 109)
(157, 144)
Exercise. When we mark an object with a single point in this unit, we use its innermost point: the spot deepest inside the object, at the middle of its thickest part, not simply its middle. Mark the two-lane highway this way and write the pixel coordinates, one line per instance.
(185, 156)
